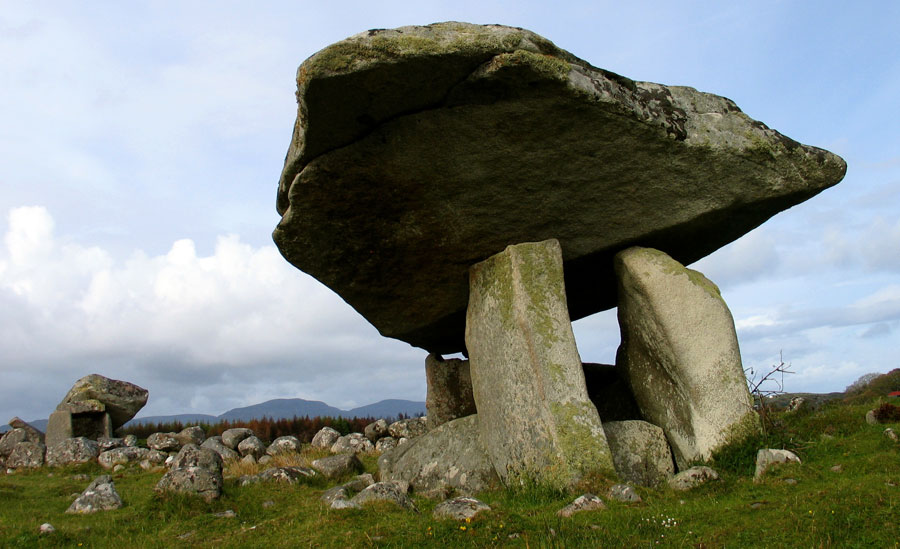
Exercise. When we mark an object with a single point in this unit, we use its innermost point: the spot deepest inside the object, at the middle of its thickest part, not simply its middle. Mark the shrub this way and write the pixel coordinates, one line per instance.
(887, 413)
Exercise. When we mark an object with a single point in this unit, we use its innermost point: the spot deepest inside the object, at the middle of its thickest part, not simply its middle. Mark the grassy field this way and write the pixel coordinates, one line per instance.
(857, 505)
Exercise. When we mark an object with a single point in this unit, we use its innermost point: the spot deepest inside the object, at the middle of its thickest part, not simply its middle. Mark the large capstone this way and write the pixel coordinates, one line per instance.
(536, 420)
(680, 353)
(420, 151)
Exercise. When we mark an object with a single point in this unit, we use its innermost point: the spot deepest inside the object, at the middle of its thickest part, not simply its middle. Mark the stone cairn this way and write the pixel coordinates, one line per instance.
(474, 189)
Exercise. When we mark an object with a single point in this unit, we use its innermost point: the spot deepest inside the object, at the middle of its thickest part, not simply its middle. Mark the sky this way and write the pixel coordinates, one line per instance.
(141, 144)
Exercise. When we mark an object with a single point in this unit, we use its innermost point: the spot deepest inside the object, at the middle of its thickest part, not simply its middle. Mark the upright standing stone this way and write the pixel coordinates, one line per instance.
(535, 418)
(681, 355)
(449, 390)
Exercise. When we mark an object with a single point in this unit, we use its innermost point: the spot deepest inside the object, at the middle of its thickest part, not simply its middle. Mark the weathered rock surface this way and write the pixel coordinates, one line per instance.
(347, 490)
(215, 443)
(191, 435)
(120, 399)
(536, 419)
(252, 446)
(408, 428)
(337, 466)
(26, 454)
(164, 442)
(420, 151)
(624, 493)
(192, 480)
(459, 508)
(100, 495)
(283, 445)
(450, 458)
(233, 437)
(585, 502)
(385, 491)
(376, 430)
(34, 434)
(71, 451)
(285, 475)
(768, 457)
(122, 456)
(353, 443)
(385, 443)
(325, 438)
(449, 390)
(640, 452)
(693, 477)
(11, 438)
(680, 353)
(109, 443)
(192, 455)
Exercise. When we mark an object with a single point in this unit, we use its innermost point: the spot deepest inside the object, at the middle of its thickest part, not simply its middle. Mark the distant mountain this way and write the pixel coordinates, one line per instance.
(280, 408)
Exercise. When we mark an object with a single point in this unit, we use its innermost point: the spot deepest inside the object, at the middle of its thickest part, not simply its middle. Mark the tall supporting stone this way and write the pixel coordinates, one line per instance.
(449, 390)
(535, 418)
(681, 355)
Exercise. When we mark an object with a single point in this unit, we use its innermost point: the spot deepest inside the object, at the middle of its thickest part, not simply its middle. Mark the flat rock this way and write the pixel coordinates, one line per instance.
(339, 465)
(196, 481)
(284, 475)
(693, 477)
(624, 493)
(459, 508)
(585, 502)
(385, 491)
(120, 399)
(420, 151)
(767, 457)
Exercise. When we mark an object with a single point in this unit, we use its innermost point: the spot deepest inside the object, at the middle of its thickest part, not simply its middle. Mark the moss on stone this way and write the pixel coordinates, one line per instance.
(578, 441)
(545, 65)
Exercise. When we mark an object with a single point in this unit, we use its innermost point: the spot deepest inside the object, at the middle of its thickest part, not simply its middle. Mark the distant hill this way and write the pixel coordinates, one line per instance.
(280, 408)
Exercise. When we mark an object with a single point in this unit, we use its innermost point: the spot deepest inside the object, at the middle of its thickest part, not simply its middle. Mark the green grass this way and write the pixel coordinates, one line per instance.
(856, 507)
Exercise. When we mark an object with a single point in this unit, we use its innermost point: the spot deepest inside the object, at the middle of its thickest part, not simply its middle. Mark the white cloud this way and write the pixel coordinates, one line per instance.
(238, 323)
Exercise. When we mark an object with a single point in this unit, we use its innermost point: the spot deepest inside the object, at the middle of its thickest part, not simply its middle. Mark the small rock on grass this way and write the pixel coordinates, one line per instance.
(393, 492)
(586, 502)
(693, 477)
(624, 493)
(768, 457)
(891, 434)
(460, 508)
(100, 495)
(46, 528)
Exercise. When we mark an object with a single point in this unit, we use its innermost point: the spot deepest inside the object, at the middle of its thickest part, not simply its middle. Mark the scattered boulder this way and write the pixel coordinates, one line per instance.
(46, 528)
(164, 442)
(192, 455)
(385, 491)
(252, 446)
(870, 418)
(14, 436)
(192, 480)
(338, 466)
(71, 451)
(348, 489)
(768, 457)
(536, 420)
(680, 353)
(449, 393)
(354, 442)
(670, 167)
(325, 438)
(450, 458)
(26, 455)
(34, 434)
(459, 508)
(891, 434)
(376, 430)
(640, 452)
(585, 502)
(191, 435)
(196, 471)
(286, 475)
(215, 444)
(796, 404)
(624, 493)
(123, 456)
(282, 445)
(693, 477)
(385, 444)
(233, 437)
(106, 443)
(100, 495)
(341, 503)
(408, 428)
(130, 440)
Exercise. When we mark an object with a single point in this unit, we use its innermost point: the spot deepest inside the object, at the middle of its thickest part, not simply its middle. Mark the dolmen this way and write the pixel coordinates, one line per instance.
(94, 408)
(473, 189)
